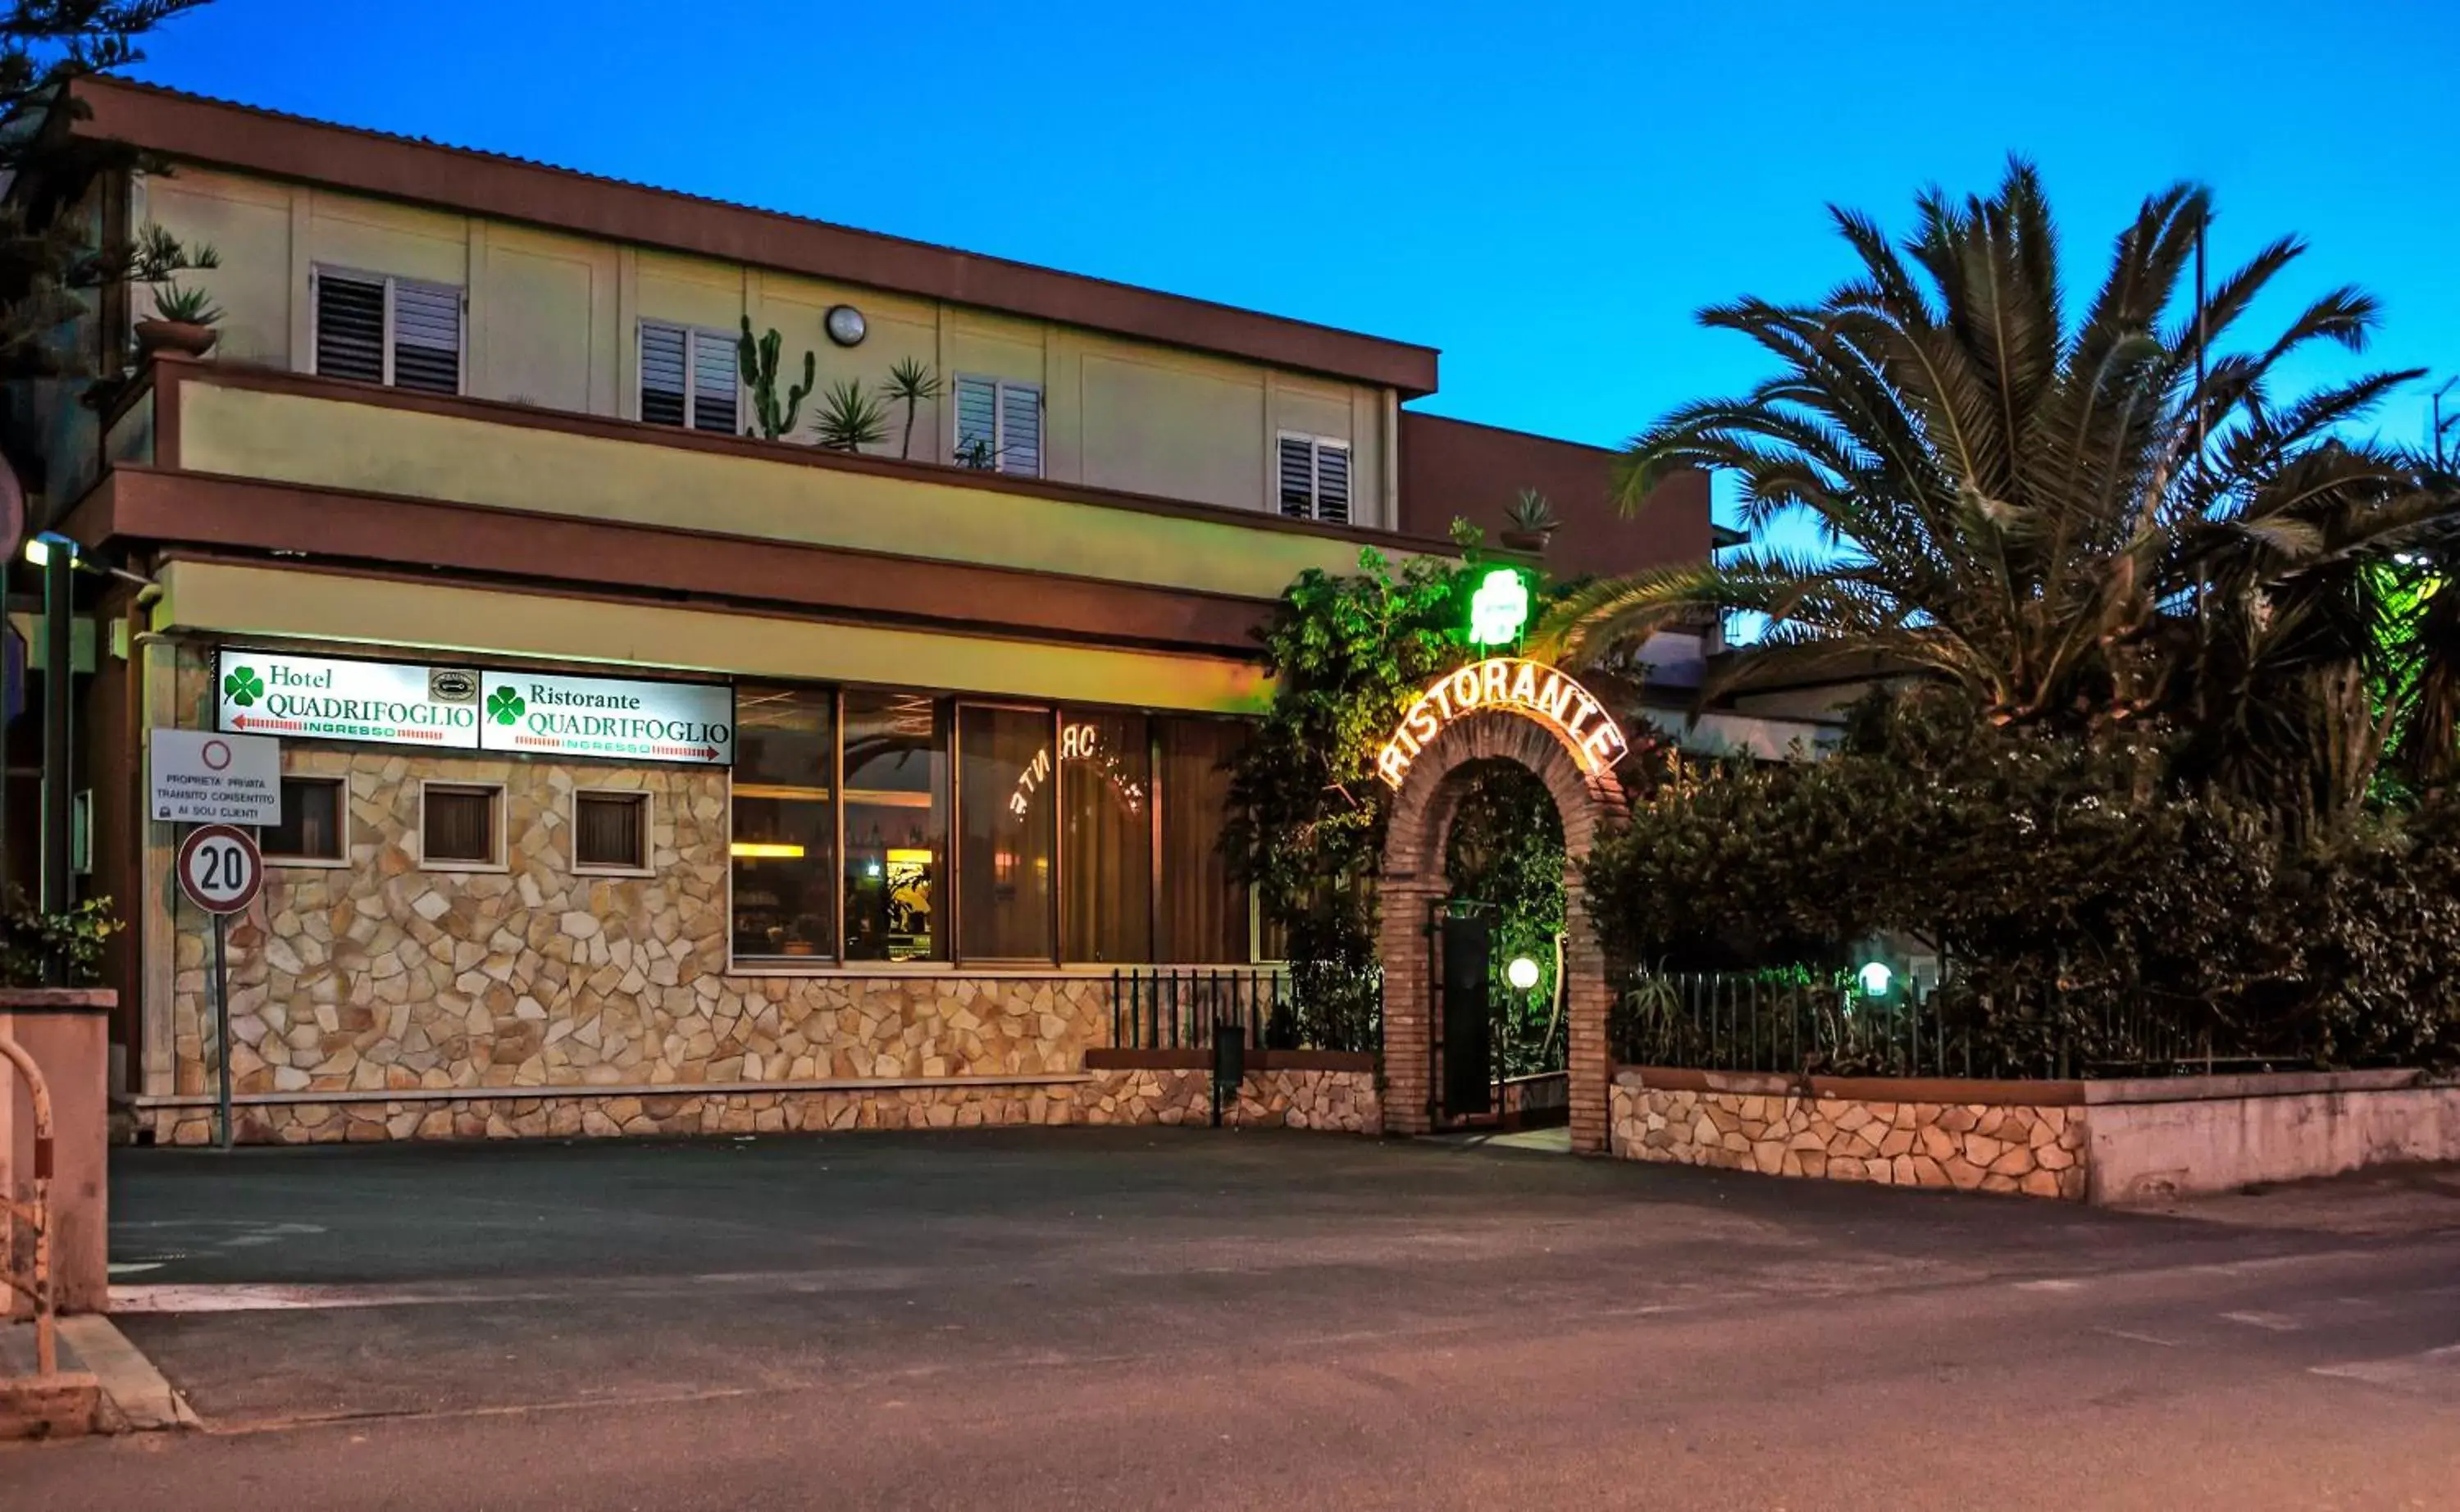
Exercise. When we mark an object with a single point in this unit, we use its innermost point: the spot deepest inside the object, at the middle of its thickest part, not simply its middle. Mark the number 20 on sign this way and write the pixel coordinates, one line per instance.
(221, 870)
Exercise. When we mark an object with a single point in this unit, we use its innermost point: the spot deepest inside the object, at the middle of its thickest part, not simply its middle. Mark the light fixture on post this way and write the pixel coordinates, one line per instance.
(1874, 978)
(1522, 973)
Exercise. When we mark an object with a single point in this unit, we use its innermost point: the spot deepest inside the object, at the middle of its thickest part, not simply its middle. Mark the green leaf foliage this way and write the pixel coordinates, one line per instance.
(34, 937)
(2066, 884)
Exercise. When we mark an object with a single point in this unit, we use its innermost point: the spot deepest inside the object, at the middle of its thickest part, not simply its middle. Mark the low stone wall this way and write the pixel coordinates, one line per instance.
(1904, 1134)
(2152, 1140)
(1337, 1100)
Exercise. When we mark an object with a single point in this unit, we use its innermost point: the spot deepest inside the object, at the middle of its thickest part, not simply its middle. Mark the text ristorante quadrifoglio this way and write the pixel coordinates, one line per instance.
(552, 713)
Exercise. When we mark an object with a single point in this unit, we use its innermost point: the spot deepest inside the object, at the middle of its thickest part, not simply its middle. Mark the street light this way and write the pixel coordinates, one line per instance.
(1522, 973)
(1875, 978)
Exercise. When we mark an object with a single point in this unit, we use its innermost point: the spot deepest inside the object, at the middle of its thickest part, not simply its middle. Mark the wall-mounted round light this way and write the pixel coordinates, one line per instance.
(1875, 978)
(845, 325)
(1522, 973)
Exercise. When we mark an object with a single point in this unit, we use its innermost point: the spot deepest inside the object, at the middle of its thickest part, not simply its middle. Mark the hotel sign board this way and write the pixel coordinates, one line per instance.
(314, 698)
(536, 715)
(464, 709)
(1506, 685)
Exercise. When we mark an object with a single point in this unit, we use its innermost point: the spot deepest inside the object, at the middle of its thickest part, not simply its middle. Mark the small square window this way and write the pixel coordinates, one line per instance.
(313, 815)
(462, 825)
(610, 832)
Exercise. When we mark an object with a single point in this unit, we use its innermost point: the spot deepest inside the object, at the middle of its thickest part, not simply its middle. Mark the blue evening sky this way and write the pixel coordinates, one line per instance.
(1547, 192)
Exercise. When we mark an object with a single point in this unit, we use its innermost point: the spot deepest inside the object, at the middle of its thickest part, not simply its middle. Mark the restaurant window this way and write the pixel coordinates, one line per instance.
(783, 853)
(1007, 801)
(1203, 911)
(688, 378)
(462, 825)
(896, 775)
(397, 331)
(1106, 814)
(610, 832)
(314, 809)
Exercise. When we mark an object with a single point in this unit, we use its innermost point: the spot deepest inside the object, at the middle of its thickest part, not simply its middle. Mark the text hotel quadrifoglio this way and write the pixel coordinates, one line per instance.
(462, 708)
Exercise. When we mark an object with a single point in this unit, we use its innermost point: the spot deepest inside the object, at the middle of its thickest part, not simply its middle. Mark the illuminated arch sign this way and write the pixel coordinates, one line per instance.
(1506, 685)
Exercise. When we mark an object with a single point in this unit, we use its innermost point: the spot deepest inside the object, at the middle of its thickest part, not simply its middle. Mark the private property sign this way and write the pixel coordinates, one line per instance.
(601, 716)
(464, 709)
(197, 777)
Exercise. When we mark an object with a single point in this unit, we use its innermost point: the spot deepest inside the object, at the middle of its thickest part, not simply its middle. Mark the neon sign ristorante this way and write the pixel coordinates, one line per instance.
(1506, 685)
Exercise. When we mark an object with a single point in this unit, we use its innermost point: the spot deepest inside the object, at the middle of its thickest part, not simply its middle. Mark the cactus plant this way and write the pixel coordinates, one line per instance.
(759, 360)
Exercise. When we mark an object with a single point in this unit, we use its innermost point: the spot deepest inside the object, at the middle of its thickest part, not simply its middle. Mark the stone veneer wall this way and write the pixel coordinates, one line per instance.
(1336, 1101)
(1755, 1123)
(383, 976)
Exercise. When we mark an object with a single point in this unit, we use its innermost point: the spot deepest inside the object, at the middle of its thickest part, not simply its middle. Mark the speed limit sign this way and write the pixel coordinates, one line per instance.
(221, 868)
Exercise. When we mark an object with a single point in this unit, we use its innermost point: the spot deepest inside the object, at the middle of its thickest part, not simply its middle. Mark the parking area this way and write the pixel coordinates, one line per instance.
(1112, 1312)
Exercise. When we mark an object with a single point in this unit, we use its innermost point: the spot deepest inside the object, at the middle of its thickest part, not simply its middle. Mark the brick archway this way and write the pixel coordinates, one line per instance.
(1413, 881)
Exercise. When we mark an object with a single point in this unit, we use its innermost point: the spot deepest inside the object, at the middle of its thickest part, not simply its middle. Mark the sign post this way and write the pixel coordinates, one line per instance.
(221, 870)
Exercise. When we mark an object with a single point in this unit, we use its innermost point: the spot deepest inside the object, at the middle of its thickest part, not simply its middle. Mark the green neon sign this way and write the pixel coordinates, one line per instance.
(1500, 609)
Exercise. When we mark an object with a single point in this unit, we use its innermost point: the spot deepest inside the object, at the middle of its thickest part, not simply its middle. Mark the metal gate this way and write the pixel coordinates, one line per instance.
(1467, 1046)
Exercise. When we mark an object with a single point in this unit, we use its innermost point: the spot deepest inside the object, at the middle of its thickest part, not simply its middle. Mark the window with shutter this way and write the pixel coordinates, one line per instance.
(390, 331)
(688, 377)
(665, 388)
(1314, 477)
(350, 327)
(999, 426)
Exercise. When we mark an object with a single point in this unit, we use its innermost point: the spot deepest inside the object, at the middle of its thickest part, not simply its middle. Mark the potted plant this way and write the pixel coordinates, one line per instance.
(1529, 521)
(849, 418)
(184, 321)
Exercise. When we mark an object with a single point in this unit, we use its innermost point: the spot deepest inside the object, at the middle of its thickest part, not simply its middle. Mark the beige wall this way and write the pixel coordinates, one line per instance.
(554, 321)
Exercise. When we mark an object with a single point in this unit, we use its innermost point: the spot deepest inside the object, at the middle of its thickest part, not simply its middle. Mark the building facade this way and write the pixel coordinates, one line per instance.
(642, 774)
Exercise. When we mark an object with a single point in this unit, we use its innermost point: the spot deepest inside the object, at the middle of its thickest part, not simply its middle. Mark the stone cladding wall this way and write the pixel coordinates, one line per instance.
(2036, 1150)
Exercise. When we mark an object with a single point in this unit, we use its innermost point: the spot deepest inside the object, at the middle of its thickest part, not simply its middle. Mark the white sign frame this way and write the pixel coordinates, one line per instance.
(607, 719)
(204, 777)
(344, 698)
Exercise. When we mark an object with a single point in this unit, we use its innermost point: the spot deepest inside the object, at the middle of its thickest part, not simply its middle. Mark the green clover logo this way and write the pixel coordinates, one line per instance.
(1499, 608)
(505, 706)
(243, 687)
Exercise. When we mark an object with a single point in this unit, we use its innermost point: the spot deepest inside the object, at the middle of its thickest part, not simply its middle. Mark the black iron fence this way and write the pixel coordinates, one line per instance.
(1797, 1023)
(1294, 1006)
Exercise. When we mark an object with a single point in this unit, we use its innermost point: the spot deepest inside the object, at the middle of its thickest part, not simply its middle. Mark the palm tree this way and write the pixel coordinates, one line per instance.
(2082, 523)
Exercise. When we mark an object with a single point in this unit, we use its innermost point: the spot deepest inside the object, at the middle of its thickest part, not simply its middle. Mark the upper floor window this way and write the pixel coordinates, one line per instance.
(998, 425)
(688, 377)
(1315, 478)
(397, 331)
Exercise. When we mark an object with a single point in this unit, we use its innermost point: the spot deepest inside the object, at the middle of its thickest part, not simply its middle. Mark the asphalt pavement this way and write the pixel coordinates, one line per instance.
(1189, 1317)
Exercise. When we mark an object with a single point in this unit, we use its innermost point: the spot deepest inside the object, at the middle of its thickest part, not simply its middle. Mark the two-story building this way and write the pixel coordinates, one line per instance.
(639, 774)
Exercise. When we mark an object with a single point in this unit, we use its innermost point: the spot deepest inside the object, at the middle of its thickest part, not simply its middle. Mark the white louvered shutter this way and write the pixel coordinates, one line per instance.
(714, 383)
(350, 327)
(426, 337)
(1020, 429)
(1332, 483)
(977, 421)
(1298, 478)
(662, 374)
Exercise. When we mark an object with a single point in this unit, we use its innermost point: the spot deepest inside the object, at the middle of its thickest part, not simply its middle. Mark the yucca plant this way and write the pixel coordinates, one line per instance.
(2084, 518)
(912, 384)
(1532, 513)
(849, 418)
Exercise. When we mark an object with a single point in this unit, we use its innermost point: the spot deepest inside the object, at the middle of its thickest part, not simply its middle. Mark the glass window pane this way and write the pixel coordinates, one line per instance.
(896, 826)
(1203, 911)
(311, 821)
(1007, 801)
(1106, 849)
(784, 851)
(610, 829)
(460, 825)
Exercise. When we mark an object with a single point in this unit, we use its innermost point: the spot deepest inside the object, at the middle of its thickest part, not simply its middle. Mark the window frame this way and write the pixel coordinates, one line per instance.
(341, 828)
(691, 334)
(499, 800)
(1317, 446)
(645, 803)
(1000, 389)
(317, 272)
